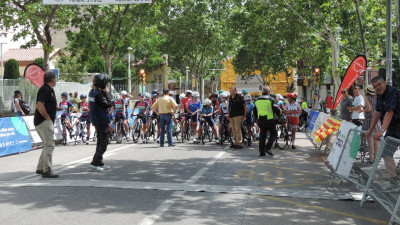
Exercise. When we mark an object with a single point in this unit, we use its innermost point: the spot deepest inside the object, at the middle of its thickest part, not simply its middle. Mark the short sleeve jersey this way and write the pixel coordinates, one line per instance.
(119, 106)
(66, 107)
(141, 106)
(224, 110)
(293, 108)
(194, 105)
(304, 105)
(250, 107)
(205, 111)
(84, 108)
(281, 104)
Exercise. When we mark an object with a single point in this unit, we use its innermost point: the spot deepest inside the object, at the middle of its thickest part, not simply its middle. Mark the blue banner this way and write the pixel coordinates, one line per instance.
(312, 118)
(14, 136)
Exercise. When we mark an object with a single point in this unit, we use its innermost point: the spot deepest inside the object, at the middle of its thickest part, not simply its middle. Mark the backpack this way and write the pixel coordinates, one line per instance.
(25, 107)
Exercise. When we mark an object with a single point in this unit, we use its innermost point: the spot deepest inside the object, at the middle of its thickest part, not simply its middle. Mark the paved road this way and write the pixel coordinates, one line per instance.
(186, 184)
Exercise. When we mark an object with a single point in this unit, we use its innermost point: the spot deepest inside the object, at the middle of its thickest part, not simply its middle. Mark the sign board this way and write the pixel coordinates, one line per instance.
(14, 136)
(93, 2)
(312, 118)
(345, 163)
(253, 83)
(35, 138)
(322, 118)
(57, 72)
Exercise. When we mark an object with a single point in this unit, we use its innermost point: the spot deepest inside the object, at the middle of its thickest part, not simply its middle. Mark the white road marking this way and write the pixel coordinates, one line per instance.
(163, 207)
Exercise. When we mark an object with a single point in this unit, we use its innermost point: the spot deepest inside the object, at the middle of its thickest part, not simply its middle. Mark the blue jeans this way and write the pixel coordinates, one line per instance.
(18, 114)
(166, 119)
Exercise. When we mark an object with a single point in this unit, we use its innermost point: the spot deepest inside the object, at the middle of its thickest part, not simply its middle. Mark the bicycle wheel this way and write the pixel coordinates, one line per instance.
(210, 134)
(118, 131)
(83, 128)
(154, 132)
(204, 134)
(178, 134)
(302, 124)
(136, 131)
(64, 133)
(76, 135)
(281, 140)
(253, 133)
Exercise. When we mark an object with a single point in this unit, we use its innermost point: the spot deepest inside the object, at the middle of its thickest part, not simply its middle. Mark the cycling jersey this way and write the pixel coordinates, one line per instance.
(250, 107)
(194, 105)
(293, 109)
(205, 111)
(66, 107)
(304, 105)
(119, 106)
(281, 104)
(84, 109)
(215, 104)
(224, 110)
(184, 103)
(141, 106)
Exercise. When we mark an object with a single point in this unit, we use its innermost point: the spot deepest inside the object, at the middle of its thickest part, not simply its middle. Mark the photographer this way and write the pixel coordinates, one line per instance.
(99, 105)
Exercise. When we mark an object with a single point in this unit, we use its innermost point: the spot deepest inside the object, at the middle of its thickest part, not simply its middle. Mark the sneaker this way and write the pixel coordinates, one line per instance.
(218, 141)
(238, 147)
(232, 146)
(249, 142)
(96, 168)
(293, 147)
(105, 167)
(158, 140)
(172, 145)
(39, 172)
(49, 174)
(87, 142)
(262, 155)
(268, 151)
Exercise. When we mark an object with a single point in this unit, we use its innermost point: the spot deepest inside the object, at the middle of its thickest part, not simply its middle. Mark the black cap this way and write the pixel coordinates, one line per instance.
(16, 92)
(165, 91)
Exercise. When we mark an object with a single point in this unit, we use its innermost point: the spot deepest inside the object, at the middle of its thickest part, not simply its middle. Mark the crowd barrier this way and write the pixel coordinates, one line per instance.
(348, 148)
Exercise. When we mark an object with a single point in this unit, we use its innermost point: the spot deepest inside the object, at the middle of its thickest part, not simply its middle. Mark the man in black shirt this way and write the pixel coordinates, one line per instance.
(45, 114)
(237, 113)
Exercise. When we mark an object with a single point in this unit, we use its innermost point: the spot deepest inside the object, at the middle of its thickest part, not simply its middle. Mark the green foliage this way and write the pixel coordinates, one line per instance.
(96, 65)
(39, 61)
(71, 70)
(120, 73)
(11, 69)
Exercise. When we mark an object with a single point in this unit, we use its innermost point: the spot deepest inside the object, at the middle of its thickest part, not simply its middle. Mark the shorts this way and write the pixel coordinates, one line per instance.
(154, 115)
(294, 121)
(110, 118)
(195, 118)
(119, 116)
(64, 117)
(143, 117)
(222, 118)
(390, 150)
(208, 120)
(87, 119)
(249, 121)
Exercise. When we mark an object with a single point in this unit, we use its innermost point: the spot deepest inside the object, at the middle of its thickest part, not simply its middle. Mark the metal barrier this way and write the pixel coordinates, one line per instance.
(383, 182)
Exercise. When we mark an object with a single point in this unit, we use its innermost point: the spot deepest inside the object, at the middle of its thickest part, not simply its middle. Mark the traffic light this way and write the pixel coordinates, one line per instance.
(142, 75)
(317, 74)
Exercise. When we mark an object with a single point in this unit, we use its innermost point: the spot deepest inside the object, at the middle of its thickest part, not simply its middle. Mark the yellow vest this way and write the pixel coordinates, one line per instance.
(264, 108)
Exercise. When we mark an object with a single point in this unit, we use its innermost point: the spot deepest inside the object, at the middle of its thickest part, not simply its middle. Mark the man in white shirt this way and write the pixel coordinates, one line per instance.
(357, 116)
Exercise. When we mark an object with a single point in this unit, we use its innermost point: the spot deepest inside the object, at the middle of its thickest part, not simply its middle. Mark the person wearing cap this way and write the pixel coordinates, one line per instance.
(329, 102)
(304, 110)
(369, 110)
(15, 104)
(316, 102)
(45, 114)
(165, 107)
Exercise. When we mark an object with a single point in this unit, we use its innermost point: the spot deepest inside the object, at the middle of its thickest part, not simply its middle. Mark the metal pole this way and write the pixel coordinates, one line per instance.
(129, 71)
(202, 89)
(389, 42)
(180, 85)
(187, 78)
(1, 70)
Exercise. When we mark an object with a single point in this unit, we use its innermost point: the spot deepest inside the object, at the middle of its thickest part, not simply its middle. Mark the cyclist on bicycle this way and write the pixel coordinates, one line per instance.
(126, 97)
(249, 117)
(184, 106)
(66, 107)
(83, 107)
(194, 106)
(304, 110)
(207, 112)
(147, 98)
(281, 104)
(155, 95)
(293, 110)
(223, 111)
(143, 108)
(119, 107)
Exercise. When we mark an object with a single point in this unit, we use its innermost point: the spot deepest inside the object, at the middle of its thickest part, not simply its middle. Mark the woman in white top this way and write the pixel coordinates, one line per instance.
(357, 116)
(15, 104)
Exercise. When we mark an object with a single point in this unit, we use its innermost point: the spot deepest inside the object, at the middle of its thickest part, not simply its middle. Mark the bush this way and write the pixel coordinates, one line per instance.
(11, 69)
(39, 61)
(96, 65)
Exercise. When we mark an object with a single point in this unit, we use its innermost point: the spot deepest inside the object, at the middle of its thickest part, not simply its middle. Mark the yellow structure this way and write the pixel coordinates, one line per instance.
(277, 83)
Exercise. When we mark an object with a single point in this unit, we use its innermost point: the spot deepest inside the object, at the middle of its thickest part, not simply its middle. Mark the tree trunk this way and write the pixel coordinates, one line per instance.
(107, 61)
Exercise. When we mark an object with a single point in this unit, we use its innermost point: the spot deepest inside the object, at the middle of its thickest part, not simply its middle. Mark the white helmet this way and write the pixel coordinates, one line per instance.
(116, 97)
(279, 96)
(247, 97)
(181, 96)
(188, 92)
(196, 94)
(124, 93)
(224, 95)
(147, 96)
(227, 93)
(207, 102)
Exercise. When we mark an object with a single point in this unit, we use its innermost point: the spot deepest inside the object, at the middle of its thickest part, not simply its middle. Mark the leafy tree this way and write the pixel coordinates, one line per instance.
(71, 70)
(39, 61)
(11, 69)
(96, 65)
(120, 73)
(35, 21)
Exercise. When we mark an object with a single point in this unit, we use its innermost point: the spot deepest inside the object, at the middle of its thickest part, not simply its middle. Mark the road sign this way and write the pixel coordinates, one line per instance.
(253, 83)
(56, 71)
(93, 2)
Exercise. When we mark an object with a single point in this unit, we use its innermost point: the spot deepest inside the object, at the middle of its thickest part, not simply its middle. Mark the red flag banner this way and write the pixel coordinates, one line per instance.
(354, 71)
(35, 74)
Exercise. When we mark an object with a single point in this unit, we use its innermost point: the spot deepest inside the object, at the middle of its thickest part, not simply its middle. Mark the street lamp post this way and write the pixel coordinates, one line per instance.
(129, 71)
(187, 78)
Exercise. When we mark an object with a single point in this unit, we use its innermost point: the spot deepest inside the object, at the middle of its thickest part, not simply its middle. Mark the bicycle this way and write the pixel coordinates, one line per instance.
(119, 130)
(206, 132)
(225, 132)
(244, 133)
(176, 129)
(64, 132)
(137, 129)
(81, 130)
(152, 128)
(284, 135)
(187, 130)
(302, 121)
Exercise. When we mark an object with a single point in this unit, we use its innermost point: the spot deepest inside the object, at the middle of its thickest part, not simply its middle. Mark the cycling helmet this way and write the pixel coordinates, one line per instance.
(124, 93)
(247, 97)
(188, 92)
(279, 96)
(116, 97)
(220, 92)
(83, 96)
(64, 94)
(196, 94)
(245, 92)
(207, 102)
(224, 95)
(100, 80)
(170, 93)
(154, 92)
(181, 97)
(291, 95)
(302, 97)
(141, 95)
(214, 95)
(227, 93)
(147, 96)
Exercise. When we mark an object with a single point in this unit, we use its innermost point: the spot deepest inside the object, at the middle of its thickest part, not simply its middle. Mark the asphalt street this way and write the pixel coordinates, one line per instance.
(186, 184)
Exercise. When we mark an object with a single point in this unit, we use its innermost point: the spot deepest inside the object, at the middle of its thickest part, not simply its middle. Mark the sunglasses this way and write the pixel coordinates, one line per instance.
(343, 92)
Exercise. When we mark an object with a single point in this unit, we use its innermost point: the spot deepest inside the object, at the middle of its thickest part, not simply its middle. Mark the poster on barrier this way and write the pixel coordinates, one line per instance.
(312, 118)
(35, 138)
(14, 136)
(345, 163)
(322, 118)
